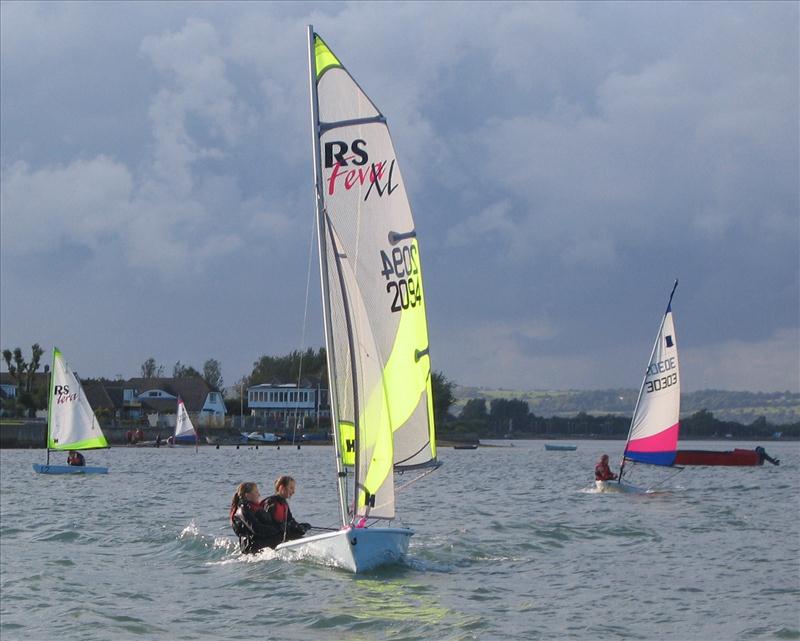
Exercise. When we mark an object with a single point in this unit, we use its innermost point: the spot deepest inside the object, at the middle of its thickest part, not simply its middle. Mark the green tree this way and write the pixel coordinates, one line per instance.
(23, 374)
(475, 409)
(443, 396)
(151, 370)
(212, 372)
(184, 371)
(508, 415)
(287, 369)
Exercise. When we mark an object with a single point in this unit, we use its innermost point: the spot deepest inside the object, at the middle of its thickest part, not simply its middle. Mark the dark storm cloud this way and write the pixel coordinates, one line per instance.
(565, 162)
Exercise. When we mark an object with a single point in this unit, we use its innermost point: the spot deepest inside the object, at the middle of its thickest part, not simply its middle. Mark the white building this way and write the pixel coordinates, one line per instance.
(279, 402)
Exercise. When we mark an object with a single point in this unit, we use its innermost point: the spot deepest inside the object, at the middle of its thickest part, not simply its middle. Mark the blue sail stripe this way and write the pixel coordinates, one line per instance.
(652, 458)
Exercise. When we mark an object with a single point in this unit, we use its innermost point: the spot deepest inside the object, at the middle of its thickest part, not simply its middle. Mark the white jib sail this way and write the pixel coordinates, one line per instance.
(183, 424)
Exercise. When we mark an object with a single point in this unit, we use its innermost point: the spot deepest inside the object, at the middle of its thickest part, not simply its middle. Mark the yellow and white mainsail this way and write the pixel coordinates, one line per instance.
(376, 327)
(71, 423)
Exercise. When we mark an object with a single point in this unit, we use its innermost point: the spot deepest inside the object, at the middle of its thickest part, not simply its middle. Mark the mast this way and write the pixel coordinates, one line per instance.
(323, 273)
(644, 380)
(50, 383)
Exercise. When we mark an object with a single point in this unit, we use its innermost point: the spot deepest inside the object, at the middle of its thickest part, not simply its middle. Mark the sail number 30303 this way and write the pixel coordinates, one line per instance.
(401, 271)
(657, 384)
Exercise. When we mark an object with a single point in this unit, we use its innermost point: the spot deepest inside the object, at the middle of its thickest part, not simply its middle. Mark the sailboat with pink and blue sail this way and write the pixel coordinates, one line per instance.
(653, 435)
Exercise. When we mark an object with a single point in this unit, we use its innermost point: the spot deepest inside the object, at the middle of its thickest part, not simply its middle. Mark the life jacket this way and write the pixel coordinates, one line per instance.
(279, 508)
(602, 472)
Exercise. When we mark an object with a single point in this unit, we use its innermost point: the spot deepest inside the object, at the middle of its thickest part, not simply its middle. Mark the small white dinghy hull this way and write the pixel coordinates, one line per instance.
(615, 487)
(352, 549)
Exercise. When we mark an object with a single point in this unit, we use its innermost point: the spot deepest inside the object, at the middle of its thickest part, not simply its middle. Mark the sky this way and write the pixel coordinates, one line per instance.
(565, 163)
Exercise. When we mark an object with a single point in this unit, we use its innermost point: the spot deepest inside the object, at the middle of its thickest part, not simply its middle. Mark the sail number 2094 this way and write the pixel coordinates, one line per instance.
(401, 271)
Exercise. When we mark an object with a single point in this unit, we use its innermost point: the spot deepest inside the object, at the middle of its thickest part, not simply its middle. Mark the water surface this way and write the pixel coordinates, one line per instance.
(508, 546)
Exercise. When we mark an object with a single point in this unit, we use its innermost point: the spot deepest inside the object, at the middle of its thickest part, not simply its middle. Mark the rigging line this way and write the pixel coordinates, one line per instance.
(305, 319)
(414, 480)
(678, 470)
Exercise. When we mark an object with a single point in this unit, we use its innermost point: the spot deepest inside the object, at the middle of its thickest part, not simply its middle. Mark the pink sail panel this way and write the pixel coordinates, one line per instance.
(658, 449)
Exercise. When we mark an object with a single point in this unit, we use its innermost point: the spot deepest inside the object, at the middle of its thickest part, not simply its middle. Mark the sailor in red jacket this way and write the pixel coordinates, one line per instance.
(76, 458)
(602, 471)
(277, 507)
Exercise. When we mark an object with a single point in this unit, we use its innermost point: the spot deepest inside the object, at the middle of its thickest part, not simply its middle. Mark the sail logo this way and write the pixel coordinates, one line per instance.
(62, 394)
(350, 166)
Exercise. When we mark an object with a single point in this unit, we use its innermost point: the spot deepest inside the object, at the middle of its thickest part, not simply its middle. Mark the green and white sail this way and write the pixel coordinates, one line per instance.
(71, 423)
(376, 326)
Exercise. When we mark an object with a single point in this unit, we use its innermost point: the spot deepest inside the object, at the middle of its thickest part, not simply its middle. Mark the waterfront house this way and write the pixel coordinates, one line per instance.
(156, 399)
(281, 403)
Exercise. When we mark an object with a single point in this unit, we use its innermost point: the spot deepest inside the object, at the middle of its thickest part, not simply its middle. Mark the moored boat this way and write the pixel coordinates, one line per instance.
(555, 447)
(735, 457)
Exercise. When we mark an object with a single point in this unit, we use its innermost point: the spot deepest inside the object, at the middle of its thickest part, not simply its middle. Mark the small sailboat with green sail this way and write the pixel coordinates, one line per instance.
(71, 423)
(376, 330)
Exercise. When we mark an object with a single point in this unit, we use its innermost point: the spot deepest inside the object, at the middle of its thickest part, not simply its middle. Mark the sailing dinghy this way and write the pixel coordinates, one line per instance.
(653, 434)
(71, 423)
(184, 430)
(376, 330)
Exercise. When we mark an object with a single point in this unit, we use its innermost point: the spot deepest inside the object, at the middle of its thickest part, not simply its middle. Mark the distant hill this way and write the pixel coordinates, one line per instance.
(778, 408)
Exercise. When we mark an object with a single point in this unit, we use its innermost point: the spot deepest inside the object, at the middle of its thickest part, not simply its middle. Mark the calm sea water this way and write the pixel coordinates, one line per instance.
(507, 547)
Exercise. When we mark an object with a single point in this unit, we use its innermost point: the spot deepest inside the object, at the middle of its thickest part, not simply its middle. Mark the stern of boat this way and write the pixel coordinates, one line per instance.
(352, 549)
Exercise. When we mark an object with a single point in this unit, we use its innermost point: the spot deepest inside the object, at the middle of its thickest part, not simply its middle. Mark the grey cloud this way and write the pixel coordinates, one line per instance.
(565, 162)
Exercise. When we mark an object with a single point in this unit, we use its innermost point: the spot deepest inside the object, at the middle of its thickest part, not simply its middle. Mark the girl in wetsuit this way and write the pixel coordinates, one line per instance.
(251, 522)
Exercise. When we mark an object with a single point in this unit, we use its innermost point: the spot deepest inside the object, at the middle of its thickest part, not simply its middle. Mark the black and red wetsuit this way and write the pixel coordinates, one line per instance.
(255, 527)
(76, 459)
(278, 508)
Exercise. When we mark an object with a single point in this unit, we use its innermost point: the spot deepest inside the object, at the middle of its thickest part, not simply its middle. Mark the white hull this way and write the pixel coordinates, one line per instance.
(259, 437)
(353, 549)
(615, 487)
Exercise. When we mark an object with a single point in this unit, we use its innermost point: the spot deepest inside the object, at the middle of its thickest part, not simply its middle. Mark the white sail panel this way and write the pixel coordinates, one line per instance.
(341, 105)
(654, 429)
(363, 411)
(183, 424)
(71, 423)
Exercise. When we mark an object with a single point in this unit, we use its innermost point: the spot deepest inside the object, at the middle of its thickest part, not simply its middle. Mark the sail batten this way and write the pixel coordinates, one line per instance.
(327, 126)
